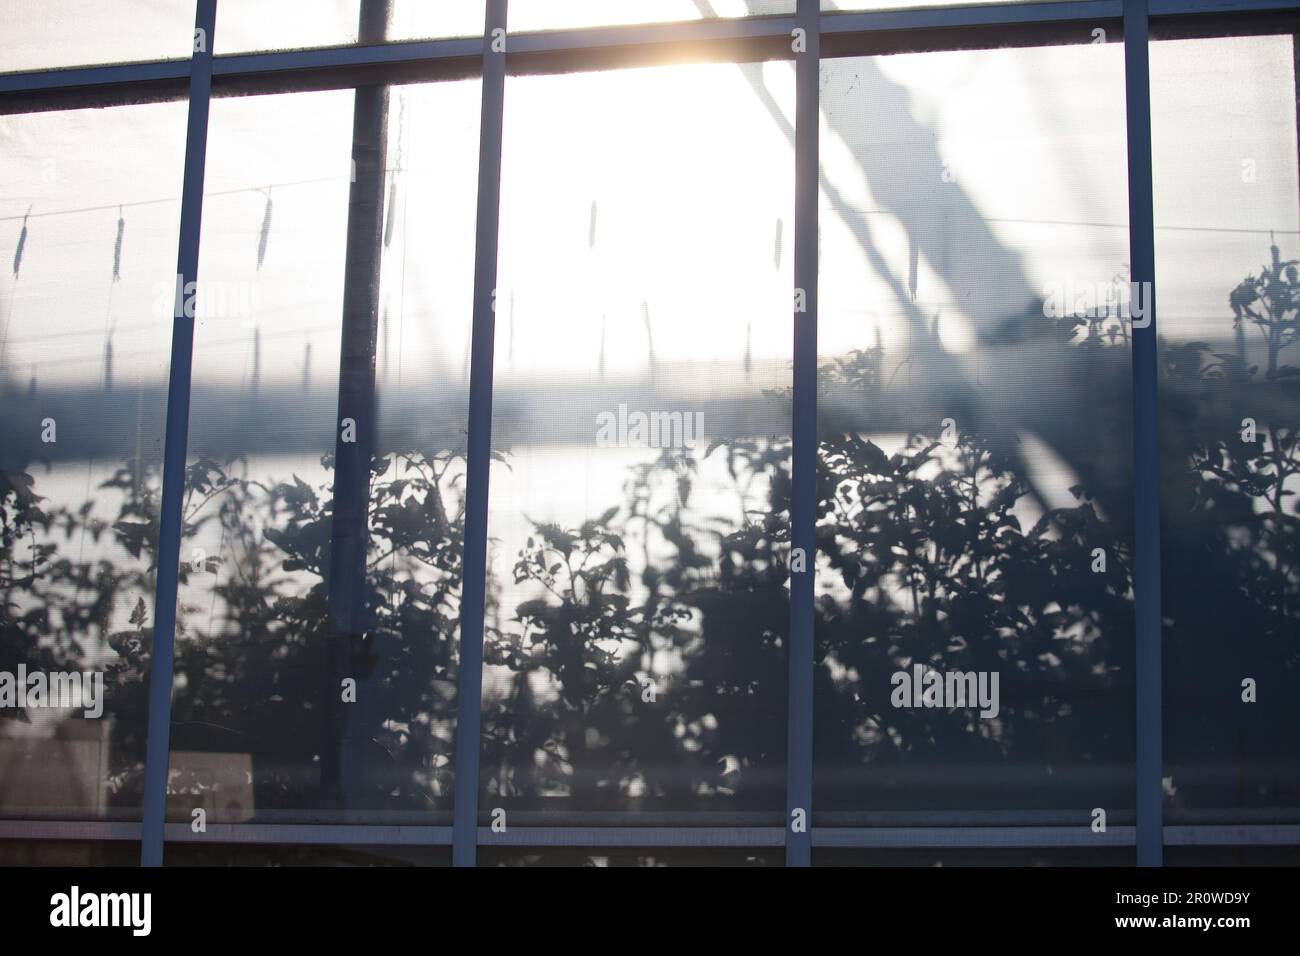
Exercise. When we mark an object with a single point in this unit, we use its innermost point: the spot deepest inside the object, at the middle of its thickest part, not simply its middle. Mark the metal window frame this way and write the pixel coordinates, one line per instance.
(1149, 768)
(731, 40)
(469, 699)
(828, 34)
(801, 646)
(649, 837)
(162, 653)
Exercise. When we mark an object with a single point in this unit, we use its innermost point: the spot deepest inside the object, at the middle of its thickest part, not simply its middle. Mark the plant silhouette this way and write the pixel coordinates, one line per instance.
(644, 669)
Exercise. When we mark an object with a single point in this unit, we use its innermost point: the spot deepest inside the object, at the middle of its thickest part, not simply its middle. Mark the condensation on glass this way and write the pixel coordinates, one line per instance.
(51, 34)
(319, 603)
(574, 14)
(831, 6)
(251, 25)
(88, 226)
(58, 33)
(1227, 218)
(974, 601)
(637, 601)
(245, 25)
(623, 857)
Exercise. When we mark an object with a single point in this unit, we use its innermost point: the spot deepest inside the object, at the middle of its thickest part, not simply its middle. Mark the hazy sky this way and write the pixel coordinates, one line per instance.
(648, 209)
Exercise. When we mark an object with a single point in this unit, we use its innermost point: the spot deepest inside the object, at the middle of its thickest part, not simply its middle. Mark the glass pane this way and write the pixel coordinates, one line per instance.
(1226, 191)
(621, 857)
(635, 670)
(316, 670)
(830, 6)
(248, 25)
(1109, 856)
(244, 25)
(88, 222)
(65, 853)
(975, 616)
(421, 19)
(1231, 856)
(562, 14)
(46, 34)
(314, 855)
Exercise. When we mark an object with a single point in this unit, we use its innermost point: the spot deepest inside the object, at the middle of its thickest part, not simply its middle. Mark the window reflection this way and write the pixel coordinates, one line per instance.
(974, 599)
(974, 604)
(88, 221)
(1224, 142)
(635, 666)
(325, 493)
(59, 33)
(572, 14)
(250, 25)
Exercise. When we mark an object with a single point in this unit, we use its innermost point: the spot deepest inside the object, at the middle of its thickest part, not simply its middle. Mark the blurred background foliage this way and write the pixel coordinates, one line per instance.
(661, 628)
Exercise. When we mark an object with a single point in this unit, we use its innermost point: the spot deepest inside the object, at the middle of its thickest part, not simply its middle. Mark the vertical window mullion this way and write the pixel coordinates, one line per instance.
(1146, 463)
(162, 657)
(798, 822)
(341, 756)
(470, 684)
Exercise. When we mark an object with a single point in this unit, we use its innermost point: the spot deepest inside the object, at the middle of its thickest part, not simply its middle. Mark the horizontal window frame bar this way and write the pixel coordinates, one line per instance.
(333, 57)
(975, 15)
(759, 837)
(562, 51)
(932, 838)
(242, 833)
(303, 834)
(79, 830)
(116, 74)
(1250, 834)
(1183, 8)
(671, 33)
(910, 837)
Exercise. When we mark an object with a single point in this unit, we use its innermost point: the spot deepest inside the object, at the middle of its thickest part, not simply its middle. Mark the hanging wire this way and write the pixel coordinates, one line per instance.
(392, 211)
(394, 595)
(591, 246)
(385, 348)
(253, 345)
(601, 366)
(1088, 224)
(22, 242)
(13, 289)
(265, 234)
(117, 246)
(778, 248)
(406, 196)
(392, 176)
(110, 322)
(749, 352)
(913, 264)
(649, 337)
(257, 359)
(390, 227)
